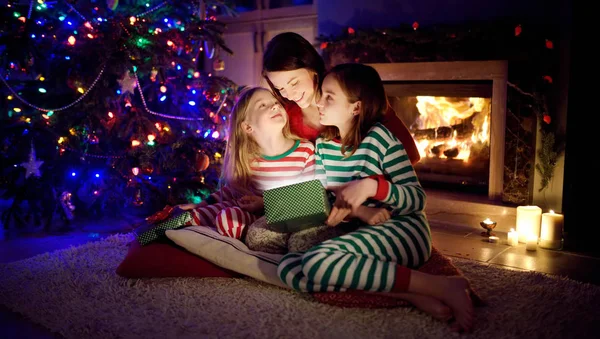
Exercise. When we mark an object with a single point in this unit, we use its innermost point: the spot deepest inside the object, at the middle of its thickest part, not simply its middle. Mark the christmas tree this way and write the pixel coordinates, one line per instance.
(110, 106)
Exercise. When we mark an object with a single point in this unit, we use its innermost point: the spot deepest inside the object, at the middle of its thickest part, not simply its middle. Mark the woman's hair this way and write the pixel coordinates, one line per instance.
(359, 83)
(242, 150)
(289, 52)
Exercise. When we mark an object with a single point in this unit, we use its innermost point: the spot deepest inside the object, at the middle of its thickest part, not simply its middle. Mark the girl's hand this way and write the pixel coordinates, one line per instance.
(186, 207)
(251, 203)
(337, 214)
(372, 215)
(355, 193)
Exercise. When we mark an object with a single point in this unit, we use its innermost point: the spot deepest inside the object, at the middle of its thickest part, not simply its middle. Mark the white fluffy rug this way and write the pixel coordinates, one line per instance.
(75, 292)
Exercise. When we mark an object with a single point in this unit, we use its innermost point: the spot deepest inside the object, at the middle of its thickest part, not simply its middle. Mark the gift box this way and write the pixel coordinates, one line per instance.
(149, 232)
(297, 207)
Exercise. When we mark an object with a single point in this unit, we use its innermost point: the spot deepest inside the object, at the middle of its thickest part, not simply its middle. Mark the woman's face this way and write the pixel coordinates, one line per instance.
(335, 108)
(297, 85)
(265, 114)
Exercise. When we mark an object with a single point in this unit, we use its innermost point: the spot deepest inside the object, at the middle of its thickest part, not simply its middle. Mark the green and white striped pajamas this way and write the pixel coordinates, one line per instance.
(367, 258)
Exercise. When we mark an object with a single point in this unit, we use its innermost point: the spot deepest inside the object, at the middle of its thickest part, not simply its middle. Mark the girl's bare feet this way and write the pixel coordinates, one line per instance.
(452, 291)
(455, 292)
(429, 305)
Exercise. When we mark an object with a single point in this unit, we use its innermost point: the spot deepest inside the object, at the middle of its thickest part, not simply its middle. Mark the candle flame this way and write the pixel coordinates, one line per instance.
(512, 229)
(551, 212)
(488, 221)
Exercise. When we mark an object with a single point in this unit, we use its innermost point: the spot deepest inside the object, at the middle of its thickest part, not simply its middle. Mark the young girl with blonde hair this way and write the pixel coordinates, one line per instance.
(261, 154)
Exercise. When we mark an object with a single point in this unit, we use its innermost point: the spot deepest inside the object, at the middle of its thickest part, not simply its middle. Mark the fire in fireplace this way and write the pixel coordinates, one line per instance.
(456, 112)
(450, 122)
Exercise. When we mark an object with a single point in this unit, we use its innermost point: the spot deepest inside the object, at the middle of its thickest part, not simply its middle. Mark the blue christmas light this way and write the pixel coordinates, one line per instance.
(192, 103)
(179, 67)
(118, 91)
(33, 36)
(67, 57)
(166, 20)
(42, 90)
(163, 98)
(69, 22)
(193, 91)
(97, 175)
(206, 133)
(73, 174)
(61, 18)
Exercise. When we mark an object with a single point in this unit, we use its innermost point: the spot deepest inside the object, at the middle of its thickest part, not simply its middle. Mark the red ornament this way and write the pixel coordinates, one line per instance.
(547, 78)
(147, 168)
(518, 30)
(202, 162)
(549, 44)
(324, 45)
(547, 119)
(351, 30)
(415, 25)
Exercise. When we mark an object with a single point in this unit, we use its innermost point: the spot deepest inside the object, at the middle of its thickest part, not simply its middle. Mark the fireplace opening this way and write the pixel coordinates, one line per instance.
(450, 122)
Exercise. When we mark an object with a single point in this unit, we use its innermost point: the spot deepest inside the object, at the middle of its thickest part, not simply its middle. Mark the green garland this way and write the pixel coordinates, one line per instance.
(530, 51)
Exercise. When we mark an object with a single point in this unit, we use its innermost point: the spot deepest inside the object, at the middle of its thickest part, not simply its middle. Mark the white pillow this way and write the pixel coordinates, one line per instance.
(228, 253)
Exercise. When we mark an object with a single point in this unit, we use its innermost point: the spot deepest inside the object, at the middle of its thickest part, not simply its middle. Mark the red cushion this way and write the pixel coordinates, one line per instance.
(158, 260)
(437, 264)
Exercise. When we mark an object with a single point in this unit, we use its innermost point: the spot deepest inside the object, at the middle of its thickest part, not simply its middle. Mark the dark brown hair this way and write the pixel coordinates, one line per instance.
(290, 51)
(359, 83)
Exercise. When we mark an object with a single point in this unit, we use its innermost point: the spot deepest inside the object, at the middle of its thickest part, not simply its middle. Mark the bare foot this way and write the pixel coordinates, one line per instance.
(455, 294)
(429, 305)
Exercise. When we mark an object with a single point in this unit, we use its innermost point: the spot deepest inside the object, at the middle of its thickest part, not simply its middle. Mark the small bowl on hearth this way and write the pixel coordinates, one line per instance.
(488, 225)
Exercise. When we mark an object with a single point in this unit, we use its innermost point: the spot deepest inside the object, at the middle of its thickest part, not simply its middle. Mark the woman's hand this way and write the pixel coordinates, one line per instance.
(251, 203)
(355, 193)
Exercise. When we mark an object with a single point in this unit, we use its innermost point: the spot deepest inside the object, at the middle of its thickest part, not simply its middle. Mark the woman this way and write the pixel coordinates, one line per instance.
(294, 70)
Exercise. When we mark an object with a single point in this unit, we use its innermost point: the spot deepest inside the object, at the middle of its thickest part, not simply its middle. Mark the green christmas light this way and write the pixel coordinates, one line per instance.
(42, 90)
(50, 113)
(61, 18)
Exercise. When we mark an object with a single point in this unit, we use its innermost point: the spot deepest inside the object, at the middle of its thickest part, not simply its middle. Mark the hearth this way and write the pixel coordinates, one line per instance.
(456, 112)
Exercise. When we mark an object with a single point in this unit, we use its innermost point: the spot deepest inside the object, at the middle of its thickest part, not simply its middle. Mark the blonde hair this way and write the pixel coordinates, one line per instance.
(242, 150)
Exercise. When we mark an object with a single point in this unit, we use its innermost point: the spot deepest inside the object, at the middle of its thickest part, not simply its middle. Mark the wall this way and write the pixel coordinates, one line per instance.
(336, 15)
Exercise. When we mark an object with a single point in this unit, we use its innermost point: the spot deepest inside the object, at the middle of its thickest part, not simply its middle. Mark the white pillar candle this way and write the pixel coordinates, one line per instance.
(513, 237)
(529, 220)
(551, 231)
(531, 244)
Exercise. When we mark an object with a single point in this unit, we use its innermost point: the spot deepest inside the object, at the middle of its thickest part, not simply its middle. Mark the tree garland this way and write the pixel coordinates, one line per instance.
(530, 51)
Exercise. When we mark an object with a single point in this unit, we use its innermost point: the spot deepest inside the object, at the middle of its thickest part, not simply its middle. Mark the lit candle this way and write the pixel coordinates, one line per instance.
(513, 237)
(493, 239)
(531, 244)
(529, 220)
(551, 232)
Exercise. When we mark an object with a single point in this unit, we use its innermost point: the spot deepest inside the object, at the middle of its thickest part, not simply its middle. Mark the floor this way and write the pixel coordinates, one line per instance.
(461, 242)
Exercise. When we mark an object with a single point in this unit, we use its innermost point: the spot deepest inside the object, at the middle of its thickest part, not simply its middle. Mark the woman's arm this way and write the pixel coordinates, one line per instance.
(399, 129)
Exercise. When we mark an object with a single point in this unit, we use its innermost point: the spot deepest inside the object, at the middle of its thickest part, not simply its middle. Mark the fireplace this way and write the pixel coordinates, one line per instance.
(456, 112)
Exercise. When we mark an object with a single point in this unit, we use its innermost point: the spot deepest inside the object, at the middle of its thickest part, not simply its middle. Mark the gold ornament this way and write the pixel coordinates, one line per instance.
(219, 64)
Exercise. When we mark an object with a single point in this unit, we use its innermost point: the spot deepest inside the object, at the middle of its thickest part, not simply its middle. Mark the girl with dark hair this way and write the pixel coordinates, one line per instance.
(293, 70)
(368, 168)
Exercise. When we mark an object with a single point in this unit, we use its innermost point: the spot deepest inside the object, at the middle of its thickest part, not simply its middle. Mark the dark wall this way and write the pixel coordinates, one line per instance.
(336, 15)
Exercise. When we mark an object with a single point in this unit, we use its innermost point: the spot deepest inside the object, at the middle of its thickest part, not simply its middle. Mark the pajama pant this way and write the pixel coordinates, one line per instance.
(229, 219)
(365, 259)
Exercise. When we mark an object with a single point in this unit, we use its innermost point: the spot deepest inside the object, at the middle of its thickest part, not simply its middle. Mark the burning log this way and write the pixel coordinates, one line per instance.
(463, 131)
(451, 153)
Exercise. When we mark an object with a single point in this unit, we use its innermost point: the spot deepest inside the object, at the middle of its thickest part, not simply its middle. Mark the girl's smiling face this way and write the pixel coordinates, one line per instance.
(265, 114)
(335, 108)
